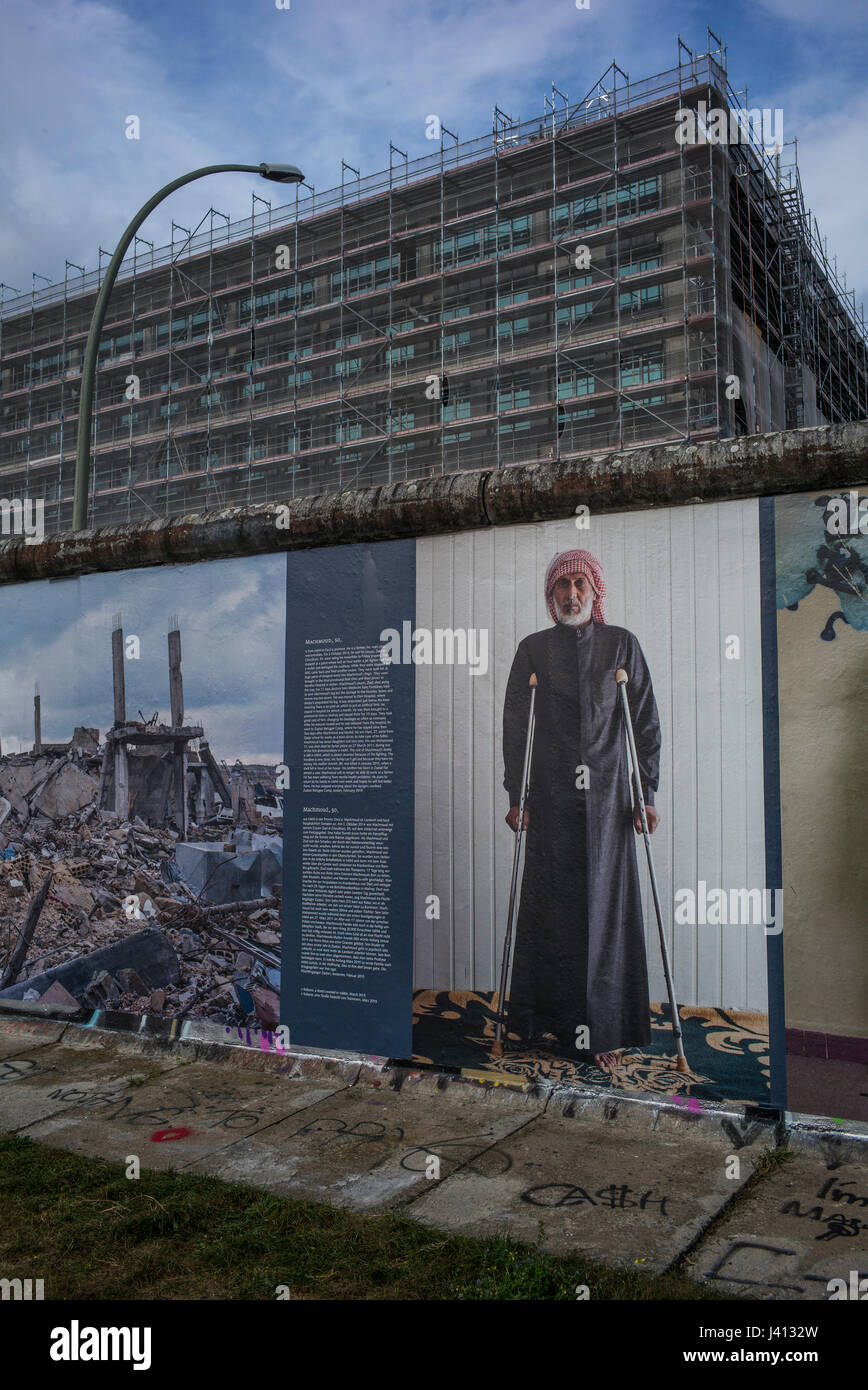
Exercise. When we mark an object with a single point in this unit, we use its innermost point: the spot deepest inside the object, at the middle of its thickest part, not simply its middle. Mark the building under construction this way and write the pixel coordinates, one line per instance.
(578, 282)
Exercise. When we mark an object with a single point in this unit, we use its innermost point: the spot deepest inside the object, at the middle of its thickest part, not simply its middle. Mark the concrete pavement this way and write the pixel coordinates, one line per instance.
(640, 1183)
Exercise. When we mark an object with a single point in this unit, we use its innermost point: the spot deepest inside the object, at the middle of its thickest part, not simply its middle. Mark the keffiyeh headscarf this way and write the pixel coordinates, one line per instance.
(576, 562)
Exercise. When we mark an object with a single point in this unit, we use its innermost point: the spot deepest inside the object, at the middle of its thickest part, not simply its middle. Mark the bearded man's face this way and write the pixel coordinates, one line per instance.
(574, 596)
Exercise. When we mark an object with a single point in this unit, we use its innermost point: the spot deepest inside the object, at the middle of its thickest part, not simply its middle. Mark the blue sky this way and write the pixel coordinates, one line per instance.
(218, 80)
(232, 613)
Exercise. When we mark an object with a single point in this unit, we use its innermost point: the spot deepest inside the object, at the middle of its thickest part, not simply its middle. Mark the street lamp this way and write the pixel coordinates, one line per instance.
(276, 173)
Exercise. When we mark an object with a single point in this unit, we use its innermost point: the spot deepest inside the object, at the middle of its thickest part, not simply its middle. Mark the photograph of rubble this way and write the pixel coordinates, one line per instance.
(141, 857)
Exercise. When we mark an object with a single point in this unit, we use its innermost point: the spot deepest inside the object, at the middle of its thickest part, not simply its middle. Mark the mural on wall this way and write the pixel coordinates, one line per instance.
(165, 733)
(821, 544)
(140, 814)
(672, 599)
(829, 547)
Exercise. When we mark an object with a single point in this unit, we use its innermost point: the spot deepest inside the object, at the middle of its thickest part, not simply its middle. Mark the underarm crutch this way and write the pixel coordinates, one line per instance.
(621, 679)
(497, 1049)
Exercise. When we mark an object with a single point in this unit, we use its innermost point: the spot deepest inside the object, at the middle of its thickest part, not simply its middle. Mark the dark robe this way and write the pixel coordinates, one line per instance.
(579, 955)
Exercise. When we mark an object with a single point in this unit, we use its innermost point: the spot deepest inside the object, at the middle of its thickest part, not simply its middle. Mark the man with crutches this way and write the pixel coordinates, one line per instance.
(579, 979)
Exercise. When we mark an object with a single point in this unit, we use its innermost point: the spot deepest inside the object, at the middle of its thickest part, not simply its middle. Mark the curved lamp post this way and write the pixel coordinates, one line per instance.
(278, 173)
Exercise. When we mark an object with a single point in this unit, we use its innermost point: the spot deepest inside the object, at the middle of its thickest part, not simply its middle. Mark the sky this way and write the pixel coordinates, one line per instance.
(232, 613)
(215, 81)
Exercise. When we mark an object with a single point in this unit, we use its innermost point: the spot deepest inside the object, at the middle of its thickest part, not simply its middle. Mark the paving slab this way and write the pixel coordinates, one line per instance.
(618, 1194)
(805, 1224)
(42, 1083)
(21, 1034)
(371, 1147)
(176, 1118)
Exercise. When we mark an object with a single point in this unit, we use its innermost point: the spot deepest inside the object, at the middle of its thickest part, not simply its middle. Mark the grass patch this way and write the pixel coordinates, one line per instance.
(91, 1233)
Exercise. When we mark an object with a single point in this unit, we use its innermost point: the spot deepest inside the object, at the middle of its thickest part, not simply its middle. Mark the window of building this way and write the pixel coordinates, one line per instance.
(639, 263)
(403, 353)
(402, 420)
(514, 427)
(516, 396)
(202, 323)
(644, 298)
(513, 328)
(569, 314)
(453, 341)
(171, 408)
(516, 297)
(348, 367)
(346, 432)
(179, 331)
(367, 275)
(296, 379)
(463, 437)
(581, 215)
(300, 295)
(576, 383)
(459, 410)
(641, 368)
(460, 312)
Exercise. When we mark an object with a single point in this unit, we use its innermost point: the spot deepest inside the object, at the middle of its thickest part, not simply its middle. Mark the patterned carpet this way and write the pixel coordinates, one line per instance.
(727, 1051)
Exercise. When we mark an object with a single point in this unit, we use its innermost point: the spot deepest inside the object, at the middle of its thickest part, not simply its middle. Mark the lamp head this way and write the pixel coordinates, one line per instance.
(281, 173)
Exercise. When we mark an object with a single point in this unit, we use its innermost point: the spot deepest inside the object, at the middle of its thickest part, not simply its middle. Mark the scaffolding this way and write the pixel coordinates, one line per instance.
(579, 282)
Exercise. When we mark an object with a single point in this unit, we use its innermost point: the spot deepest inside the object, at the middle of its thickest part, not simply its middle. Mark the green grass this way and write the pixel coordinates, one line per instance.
(91, 1233)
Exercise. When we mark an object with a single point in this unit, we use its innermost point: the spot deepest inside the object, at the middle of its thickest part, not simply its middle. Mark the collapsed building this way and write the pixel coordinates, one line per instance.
(139, 872)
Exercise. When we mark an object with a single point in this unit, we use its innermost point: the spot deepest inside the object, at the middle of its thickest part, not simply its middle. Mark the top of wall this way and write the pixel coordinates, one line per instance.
(833, 456)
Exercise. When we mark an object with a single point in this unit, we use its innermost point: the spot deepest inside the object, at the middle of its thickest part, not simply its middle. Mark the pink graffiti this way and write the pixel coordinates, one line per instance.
(267, 1041)
(692, 1105)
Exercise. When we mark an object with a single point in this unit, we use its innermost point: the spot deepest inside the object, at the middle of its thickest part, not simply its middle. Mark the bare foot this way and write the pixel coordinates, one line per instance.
(607, 1061)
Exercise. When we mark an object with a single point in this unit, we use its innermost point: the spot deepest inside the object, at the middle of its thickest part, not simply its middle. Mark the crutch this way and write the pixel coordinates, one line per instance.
(621, 679)
(497, 1049)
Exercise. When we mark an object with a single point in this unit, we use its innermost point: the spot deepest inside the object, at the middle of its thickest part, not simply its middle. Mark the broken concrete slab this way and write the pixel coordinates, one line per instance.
(617, 1195)
(149, 953)
(247, 872)
(66, 793)
(67, 890)
(805, 1225)
(56, 994)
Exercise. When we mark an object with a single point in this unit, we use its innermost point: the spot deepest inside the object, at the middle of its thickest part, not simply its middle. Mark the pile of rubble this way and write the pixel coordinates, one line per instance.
(117, 926)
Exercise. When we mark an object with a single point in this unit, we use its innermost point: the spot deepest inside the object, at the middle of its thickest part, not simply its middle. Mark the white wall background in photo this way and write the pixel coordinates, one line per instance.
(683, 580)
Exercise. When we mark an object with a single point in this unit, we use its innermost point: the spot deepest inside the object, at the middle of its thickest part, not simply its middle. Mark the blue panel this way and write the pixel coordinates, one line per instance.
(348, 849)
(772, 778)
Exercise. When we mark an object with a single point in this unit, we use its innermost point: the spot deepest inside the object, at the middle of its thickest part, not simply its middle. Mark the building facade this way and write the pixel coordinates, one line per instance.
(578, 283)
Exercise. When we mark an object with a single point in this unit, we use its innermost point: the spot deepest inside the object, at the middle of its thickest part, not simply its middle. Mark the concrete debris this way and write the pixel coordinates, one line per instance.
(116, 884)
(56, 994)
(140, 872)
(70, 791)
(267, 1006)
